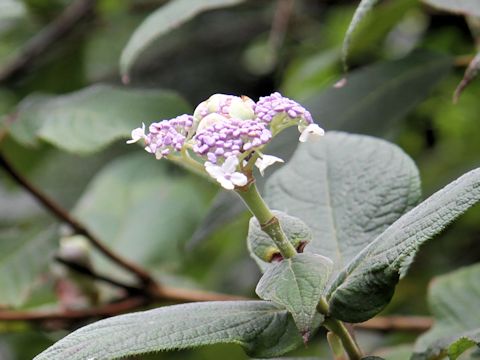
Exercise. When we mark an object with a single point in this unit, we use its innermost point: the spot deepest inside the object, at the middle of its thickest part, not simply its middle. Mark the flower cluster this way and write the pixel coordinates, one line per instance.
(226, 131)
(224, 139)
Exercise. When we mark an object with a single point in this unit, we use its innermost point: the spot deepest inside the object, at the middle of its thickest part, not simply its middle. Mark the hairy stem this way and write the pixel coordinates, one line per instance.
(339, 329)
(268, 222)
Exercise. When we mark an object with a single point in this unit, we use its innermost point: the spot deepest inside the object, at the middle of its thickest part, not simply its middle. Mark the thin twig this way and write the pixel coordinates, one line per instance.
(63, 215)
(83, 270)
(63, 25)
(397, 323)
(154, 293)
(107, 310)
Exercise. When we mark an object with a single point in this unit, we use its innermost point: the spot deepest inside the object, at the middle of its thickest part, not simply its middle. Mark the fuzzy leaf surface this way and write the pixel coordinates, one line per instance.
(88, 120)
(297, 284)
(454, 300)
(367, 284)
(347, 189)
(263, 329)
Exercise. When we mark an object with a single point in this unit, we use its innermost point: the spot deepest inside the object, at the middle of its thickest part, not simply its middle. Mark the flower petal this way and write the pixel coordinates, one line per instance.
(214, 171)
(265, 161)
(230, 165)
(238, 179)
(311, 132)
(226, 184)
(137, 134)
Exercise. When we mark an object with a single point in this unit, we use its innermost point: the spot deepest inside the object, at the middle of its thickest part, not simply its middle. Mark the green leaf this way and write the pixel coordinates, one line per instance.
(454, 301)
(463, 7)
(141, 211)
(161, 21)
(297, 284)
(470, 73)
(23, 256)
(370, 101)
(347, 189)
(367, 284)
(261, 328)
(262, 248)
(90, 119)
(362, 10)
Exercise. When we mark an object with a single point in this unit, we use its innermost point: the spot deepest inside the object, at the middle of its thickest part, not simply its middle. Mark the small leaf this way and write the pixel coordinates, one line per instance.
(261, 328)
(362, 10)
(347, 189)
(367, 284)
(454, 302)
(23, 256)
(262, 248)
(470, 73)
(90, 119)
(164, 19)
(297, 284)
(462, 7)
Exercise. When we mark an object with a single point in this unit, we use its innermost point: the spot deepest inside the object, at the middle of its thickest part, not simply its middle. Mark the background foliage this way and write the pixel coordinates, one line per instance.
(65, 115)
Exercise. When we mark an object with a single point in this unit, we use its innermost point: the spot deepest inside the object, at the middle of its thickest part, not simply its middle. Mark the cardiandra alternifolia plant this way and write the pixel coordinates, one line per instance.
(338, 226)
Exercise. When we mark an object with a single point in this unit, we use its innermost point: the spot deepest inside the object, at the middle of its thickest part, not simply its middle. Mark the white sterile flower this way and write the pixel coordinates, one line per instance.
(265, 161)
(137, 134)
(311, 132)
(226, 174)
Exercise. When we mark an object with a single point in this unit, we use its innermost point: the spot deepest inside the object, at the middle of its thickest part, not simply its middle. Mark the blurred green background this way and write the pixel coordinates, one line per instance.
(405, 62)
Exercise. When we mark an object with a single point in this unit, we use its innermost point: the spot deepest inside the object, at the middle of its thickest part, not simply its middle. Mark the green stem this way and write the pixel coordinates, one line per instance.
(338, 328)
(268, 222)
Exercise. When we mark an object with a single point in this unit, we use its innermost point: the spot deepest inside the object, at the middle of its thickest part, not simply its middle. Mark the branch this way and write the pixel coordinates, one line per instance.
(63, 215)
(63, 25)
(107, 310)
(397, 323)
(155, 292)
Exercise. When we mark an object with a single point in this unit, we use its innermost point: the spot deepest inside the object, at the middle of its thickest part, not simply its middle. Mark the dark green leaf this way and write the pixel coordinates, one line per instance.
(366, 285)
(260, 327)
(376, 96)
(348, 189)
(88, 120)
(297, 284)
(454, 301)
(362, 10)
(166, 18)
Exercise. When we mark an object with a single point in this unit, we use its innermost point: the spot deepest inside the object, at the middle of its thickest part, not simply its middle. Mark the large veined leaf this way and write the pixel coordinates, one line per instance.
(261, 328)
(23, 256)
(454, 300)
(464, 7)
(164, 19)
(88, 120)
(297, 284)
(348, 189)
(370, 102)
(366, 285)
(141, 211)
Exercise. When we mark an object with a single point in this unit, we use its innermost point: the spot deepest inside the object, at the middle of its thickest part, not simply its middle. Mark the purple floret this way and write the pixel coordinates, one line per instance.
(267, 107)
